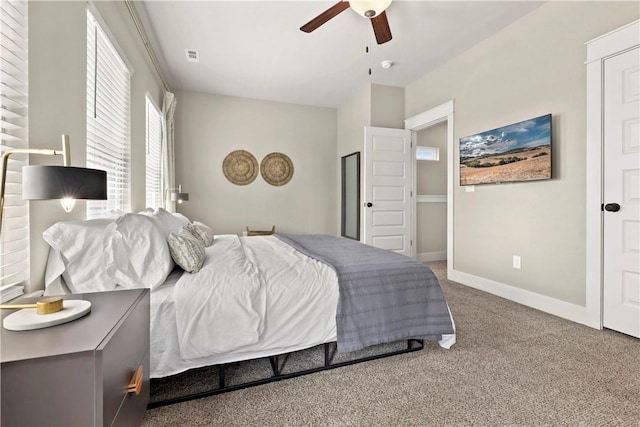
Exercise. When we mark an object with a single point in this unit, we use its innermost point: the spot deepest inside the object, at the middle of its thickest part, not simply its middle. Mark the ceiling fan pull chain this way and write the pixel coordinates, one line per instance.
(367, 51)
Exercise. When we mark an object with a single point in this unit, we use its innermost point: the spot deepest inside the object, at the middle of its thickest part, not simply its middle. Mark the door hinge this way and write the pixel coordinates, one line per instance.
(411, 243)
(411, 193)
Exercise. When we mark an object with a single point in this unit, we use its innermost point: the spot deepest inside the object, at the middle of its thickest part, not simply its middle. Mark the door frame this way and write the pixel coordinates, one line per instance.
(598, 50)
(431, 117)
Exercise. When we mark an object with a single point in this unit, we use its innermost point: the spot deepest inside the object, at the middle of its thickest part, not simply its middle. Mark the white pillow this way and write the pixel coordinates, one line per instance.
(182, 218)
(187, 251)
(201, 232)
(136, 253)
(167, 222)
(55, 267)
(79, 244)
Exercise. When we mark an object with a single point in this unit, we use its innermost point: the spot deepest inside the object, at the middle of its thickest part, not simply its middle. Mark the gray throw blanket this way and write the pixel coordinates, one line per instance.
(384, 296)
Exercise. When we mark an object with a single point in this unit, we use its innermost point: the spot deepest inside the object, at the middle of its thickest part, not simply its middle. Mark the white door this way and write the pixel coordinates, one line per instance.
(621, 240)
(388, 189)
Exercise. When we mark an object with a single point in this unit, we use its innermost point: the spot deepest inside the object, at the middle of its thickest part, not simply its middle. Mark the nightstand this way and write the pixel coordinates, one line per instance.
(80, 373)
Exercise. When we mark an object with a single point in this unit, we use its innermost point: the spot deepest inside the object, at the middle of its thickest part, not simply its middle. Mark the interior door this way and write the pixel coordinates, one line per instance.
(621, 240)
(388, 189)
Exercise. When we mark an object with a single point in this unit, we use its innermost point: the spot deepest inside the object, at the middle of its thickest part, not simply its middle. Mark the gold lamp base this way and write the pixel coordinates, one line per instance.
(29, 318)
(44, 306)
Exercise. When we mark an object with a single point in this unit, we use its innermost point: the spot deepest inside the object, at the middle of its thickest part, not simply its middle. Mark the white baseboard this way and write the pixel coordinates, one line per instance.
(569, 311)
(432, 256)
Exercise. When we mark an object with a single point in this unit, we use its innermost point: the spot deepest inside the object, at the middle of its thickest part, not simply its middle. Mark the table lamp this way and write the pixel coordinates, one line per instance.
(66, 183)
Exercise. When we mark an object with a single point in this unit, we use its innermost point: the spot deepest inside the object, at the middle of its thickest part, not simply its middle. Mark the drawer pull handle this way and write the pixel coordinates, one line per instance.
(135, 385)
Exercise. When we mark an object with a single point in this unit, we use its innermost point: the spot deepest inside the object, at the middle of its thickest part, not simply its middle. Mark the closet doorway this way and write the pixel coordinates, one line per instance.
(435, 121)
(431, 193)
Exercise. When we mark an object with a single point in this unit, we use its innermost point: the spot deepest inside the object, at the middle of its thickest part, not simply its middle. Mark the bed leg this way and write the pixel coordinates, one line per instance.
(274, 365)
(414, 343)
(221, 376)
(327, 358)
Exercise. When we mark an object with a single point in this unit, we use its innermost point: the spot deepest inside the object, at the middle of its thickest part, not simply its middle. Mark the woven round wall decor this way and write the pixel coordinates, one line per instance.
(240, 167)
(276, 169)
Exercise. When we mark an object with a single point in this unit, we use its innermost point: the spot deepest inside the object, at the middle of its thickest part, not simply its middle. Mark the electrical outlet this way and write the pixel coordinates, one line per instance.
(516, 262)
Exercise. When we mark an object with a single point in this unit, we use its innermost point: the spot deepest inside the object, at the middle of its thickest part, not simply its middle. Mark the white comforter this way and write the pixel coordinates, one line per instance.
(254, 294)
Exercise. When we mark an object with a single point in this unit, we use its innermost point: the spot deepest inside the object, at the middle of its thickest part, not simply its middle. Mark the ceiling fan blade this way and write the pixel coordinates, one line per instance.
(381, 28)
(325, 16)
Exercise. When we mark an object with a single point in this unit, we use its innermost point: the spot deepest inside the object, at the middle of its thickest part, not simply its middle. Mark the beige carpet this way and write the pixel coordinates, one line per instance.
(512, 366)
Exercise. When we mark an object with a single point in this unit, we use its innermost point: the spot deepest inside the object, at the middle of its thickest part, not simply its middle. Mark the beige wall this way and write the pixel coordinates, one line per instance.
(208, 127)
(532, 67)
(353, 115)
(431, 179)
(387, 106)
(58, 99)
(372, 105)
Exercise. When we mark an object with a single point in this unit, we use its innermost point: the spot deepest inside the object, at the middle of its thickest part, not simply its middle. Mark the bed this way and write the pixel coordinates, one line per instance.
(250, 297)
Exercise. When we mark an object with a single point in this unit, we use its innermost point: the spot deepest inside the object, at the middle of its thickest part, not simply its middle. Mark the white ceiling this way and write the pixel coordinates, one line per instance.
(254, 49)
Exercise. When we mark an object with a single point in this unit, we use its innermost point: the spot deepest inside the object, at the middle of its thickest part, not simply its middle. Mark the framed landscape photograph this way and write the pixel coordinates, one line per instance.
(513, 153)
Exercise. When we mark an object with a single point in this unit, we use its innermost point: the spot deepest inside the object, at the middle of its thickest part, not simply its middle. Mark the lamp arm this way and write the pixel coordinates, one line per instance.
(65, 152)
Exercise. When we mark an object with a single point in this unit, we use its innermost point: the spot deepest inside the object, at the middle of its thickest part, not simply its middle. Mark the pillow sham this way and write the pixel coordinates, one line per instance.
(167, 222)
(201, 232)
(187, 251)
(79, 245)
(55, 267)
(182, 218)
(136, 253)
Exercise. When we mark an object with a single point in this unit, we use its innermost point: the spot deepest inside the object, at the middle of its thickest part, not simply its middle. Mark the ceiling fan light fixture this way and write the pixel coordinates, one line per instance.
(369, 8)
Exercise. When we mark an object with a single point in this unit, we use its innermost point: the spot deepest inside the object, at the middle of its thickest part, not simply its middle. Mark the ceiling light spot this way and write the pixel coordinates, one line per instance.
(386, 64)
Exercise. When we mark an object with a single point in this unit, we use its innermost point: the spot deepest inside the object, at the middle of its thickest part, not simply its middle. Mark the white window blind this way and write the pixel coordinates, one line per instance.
(153, 169)
(108, 87)
(14, 242)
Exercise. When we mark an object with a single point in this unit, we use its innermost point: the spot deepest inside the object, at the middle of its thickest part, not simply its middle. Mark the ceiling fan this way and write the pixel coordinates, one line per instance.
(372, 9)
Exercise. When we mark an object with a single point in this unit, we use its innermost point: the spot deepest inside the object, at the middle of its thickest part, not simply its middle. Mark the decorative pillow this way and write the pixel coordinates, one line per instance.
(201, 232)
(79, 245)
(186, 251)
(136, 253)
(167, 222)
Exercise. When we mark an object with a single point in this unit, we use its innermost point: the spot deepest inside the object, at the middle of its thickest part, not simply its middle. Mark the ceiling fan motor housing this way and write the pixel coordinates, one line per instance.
(374, 10)
(369, 8)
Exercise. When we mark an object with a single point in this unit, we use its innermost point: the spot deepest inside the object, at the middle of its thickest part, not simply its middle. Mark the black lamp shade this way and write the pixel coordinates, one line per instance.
(59, 182)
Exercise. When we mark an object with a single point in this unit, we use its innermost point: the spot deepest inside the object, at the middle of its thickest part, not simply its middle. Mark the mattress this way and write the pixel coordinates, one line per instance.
(301, 301)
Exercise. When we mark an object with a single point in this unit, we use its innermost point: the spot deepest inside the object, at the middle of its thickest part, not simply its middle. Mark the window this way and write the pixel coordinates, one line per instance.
(14, 244)
(427, 153)
(153, 171)
(108, 86)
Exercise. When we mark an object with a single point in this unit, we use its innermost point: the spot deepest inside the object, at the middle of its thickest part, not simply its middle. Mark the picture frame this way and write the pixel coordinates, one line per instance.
(514, 153)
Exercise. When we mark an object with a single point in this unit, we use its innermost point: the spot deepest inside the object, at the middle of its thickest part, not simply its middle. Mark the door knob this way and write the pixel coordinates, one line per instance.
(612, 207)
(368, 204)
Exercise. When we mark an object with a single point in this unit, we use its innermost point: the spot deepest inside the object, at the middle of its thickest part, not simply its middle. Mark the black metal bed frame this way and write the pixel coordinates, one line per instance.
(278, 375)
